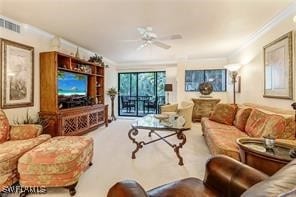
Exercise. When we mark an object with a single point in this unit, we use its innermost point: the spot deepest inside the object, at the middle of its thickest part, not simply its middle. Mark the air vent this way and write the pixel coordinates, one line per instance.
(10, 25)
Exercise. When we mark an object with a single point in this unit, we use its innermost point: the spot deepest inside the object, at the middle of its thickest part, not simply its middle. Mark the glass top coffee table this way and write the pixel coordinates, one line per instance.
(152, 124)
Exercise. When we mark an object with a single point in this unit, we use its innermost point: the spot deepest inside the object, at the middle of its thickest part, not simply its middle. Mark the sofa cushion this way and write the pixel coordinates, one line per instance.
(274, 126)
(25, 131)
(224, 113)
(4, 127)
(221, 141)
(256, 122)
(241, 118)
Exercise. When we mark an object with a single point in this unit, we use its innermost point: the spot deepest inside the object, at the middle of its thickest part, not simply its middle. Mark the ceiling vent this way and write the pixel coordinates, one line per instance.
(10, 25)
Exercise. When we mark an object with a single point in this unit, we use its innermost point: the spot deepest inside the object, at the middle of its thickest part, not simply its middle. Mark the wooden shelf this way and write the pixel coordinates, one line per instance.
(50, 64)
(75, 71)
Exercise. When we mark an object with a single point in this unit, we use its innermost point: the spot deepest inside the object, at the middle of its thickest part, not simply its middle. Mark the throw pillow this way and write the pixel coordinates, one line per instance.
(224, 113)
(274, 126)
(241, 118)
(256, 123)
(4, 127)
(24, 132)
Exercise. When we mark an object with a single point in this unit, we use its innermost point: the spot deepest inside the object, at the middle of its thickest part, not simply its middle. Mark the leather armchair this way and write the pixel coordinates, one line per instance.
(224, 177)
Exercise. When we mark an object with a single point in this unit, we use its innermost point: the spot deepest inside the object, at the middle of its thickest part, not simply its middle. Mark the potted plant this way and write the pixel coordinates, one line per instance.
(97, 59)
(112, 92)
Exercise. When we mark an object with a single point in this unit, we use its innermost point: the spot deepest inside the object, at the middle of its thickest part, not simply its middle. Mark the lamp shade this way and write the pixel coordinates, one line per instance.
(233, 67)
(168, 87)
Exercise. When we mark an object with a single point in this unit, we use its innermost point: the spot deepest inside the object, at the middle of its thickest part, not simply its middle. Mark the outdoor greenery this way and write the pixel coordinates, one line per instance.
(217, 77)
(146, 84)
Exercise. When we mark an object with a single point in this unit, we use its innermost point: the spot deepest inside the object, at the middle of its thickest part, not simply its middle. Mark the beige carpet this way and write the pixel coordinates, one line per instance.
(155, 164)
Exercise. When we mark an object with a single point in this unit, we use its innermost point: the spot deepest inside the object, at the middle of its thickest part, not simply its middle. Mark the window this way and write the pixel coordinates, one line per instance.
(217, 77)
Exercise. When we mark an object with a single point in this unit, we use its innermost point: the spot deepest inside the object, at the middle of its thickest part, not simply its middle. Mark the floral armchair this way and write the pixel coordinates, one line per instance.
(15, 140)
(184, 109)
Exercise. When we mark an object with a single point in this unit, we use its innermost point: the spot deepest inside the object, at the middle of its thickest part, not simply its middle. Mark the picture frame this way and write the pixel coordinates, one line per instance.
(17, 74)
(278, 68)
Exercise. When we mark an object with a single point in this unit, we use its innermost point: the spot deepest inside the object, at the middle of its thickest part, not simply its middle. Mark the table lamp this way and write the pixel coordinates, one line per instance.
(233, 68)
(168, 88)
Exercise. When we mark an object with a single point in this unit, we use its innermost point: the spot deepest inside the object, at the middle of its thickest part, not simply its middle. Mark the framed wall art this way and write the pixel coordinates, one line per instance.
(278, 66)
(17, 75)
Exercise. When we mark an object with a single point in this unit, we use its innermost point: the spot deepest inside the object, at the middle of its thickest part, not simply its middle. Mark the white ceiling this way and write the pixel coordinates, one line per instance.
(210, 28)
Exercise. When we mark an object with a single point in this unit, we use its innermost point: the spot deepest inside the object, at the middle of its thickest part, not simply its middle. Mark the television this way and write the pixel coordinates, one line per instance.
(72, 84)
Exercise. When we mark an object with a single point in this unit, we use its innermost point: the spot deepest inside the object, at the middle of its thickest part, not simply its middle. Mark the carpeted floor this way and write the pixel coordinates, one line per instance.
(155, 164)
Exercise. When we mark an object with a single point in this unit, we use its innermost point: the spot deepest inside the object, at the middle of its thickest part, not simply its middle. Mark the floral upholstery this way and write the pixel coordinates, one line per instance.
(241, 118)
(256, 122)
(10, 152)
(221, 138)
(58, 162)
(221, 143)
(224, 113)
(25, 131)
(4, 127)
(289, 132)
(274, 126)
(207, 124)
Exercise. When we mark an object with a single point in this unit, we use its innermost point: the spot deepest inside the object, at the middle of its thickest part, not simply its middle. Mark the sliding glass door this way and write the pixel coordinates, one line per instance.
(140, 93)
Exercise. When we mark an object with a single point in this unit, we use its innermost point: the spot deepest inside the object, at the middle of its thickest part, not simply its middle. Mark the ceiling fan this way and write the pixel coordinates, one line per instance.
(148, 38)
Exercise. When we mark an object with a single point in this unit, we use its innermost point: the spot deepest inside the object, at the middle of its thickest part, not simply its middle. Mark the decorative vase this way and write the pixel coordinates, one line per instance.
(77, 53)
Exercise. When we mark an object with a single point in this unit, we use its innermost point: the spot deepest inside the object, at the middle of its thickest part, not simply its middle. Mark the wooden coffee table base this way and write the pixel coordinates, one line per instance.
(268, 163)
(139, 144)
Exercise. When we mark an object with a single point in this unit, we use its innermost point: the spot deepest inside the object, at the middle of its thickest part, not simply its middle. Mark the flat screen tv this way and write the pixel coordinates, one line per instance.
(71, 84)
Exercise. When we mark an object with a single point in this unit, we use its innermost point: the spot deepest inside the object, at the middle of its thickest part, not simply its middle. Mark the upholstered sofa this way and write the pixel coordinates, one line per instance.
(15, 140)
(224, 176)
(221, 130)
(184, 109)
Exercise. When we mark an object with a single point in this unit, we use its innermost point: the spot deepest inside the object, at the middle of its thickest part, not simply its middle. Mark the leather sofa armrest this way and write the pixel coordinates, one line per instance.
(127, 188)
(230, 177)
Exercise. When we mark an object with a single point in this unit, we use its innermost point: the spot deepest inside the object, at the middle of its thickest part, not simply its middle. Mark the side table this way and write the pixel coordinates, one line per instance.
(253, 153)
(202, 107)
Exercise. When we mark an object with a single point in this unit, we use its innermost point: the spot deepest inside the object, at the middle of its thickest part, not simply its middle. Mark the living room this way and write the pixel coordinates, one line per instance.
(150, 54)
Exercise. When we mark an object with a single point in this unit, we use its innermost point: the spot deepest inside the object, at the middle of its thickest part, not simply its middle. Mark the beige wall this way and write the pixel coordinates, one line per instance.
(196, 65)
(41, 41)
(252, 72)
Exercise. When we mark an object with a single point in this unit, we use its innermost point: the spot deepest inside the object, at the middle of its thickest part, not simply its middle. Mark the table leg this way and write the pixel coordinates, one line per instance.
(149, 134)
(182, 137)
(139, 145)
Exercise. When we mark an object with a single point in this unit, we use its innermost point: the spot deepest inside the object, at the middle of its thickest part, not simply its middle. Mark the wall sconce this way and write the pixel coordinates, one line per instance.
(233, 68)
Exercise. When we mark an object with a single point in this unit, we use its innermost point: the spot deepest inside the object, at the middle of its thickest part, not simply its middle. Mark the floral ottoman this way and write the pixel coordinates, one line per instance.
(58, 162)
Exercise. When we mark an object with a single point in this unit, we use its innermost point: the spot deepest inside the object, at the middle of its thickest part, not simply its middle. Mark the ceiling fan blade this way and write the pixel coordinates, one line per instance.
(131, 40)
(161, 45)
(171, 37)
(141, 46)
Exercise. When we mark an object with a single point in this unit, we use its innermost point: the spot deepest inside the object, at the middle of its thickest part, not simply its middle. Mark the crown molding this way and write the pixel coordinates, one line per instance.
(290, 10)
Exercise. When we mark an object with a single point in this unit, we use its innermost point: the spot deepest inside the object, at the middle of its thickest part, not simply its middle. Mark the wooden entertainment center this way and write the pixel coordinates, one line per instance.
(74, 114)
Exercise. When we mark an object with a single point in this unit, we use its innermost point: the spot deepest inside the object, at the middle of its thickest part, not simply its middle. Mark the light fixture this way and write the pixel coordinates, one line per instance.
(294, 19)
(168, 88)
(233, 68)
